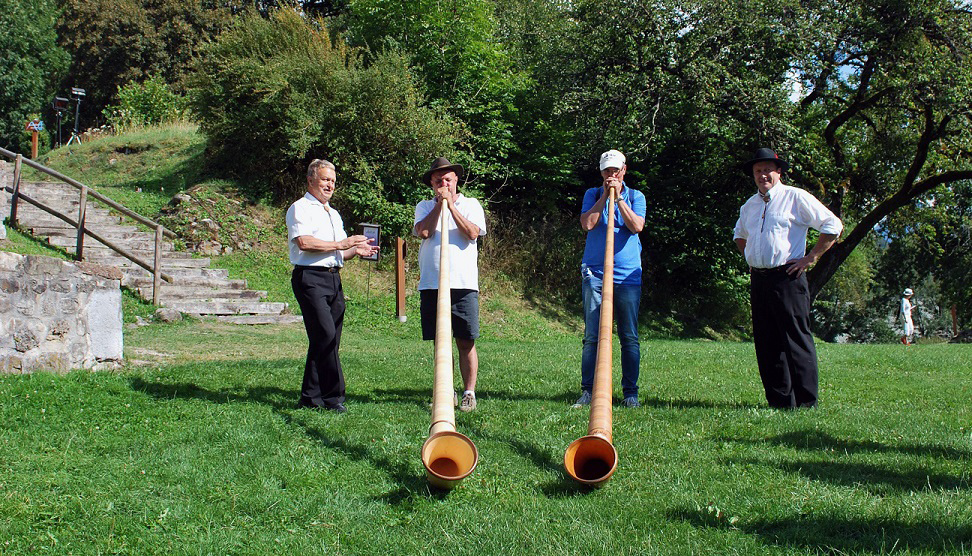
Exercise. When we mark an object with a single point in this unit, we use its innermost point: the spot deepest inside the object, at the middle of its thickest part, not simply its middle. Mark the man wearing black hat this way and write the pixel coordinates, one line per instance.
(466, 221)
(772, 234)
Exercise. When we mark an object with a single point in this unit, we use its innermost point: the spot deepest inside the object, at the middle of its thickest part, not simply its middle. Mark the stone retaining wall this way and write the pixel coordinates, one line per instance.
(56, 315)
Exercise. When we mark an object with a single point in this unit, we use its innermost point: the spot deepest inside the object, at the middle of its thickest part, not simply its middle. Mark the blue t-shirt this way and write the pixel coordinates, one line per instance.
(627, 246)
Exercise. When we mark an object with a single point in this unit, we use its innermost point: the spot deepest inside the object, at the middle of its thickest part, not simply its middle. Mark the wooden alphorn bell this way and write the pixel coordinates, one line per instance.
(447, 455)
(592, 459)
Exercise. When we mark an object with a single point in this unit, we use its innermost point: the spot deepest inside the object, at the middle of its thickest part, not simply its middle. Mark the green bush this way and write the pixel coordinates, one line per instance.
(274, 93)
(142, 104)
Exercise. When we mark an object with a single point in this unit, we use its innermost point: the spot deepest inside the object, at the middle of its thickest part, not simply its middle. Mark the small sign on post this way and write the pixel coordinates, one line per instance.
(34, 127)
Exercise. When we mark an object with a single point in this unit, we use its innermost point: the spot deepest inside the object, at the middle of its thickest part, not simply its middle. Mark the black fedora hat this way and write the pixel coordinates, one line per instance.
(763, 155)
(441, 163)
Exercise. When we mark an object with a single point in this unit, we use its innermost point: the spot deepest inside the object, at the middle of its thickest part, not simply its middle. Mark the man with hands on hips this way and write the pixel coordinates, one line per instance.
(318, 248)
(772, 234)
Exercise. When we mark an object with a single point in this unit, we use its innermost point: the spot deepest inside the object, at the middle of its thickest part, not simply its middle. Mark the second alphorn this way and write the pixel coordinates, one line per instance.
(447, 455)
(592, 459)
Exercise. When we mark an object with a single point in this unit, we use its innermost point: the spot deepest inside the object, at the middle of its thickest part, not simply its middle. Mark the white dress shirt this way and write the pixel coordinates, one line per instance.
(776, 231)
(310, 217)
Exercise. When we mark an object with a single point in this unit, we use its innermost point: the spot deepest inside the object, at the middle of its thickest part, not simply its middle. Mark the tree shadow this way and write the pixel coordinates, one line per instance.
(879, 479)
(837, 535)
(674, 403)
(819, 440)
(412, 485)
(422, 396)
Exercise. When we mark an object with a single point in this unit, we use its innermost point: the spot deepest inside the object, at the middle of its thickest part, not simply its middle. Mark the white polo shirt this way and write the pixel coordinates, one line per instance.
(309, 217)
(776, 231)
(463, 253)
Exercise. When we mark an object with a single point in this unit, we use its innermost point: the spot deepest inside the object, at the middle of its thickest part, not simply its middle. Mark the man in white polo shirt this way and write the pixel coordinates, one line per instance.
(772, 234)
(318, 248)
(466, 221)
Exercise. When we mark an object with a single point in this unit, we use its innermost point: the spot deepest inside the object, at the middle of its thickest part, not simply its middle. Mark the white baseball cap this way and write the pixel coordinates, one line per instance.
(612, 159)
(908, 291)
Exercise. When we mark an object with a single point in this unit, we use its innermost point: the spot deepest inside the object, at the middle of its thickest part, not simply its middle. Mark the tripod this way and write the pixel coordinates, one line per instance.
(76, 94)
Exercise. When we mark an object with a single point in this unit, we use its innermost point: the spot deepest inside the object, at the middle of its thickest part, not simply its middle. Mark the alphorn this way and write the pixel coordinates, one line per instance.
(447, 455)
(592, 459)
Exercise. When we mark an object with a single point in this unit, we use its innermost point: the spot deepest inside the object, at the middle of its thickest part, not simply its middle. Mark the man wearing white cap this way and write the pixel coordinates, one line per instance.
(629, 220)
(906, 307)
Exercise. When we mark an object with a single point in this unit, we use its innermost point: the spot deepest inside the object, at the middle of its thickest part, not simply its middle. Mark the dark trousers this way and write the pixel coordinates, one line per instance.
(785, 352)
(321, 299)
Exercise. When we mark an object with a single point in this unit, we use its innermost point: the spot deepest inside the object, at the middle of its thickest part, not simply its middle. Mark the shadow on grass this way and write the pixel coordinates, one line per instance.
(282, 402)
(878, 479)
(423, 396)
(836, 535)
(818, 440)
(900, 477)
(674, 403)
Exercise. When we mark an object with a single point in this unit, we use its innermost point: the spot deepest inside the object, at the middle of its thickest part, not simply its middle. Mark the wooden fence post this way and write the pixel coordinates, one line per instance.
(79, 248)
(157, 278)
(16, 192)
(400, 279)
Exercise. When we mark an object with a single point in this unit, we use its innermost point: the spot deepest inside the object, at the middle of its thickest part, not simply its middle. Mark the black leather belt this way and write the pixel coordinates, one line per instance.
(768, 271)
(334, 269)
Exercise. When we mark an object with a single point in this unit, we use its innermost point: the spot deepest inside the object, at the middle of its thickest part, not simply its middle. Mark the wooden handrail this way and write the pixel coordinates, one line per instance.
(118, 249)
(159, 230)
(78, 185)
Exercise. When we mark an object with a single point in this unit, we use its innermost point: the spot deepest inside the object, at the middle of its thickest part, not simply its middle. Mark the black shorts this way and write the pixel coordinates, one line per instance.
(465, 313)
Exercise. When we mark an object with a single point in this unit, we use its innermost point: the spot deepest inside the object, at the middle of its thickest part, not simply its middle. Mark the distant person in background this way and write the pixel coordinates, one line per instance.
(318, 248)
(466, 221)
(772, 234)
(906, 307)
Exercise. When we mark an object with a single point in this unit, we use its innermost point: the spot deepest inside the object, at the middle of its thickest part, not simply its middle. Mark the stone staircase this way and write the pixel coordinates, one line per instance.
(196, 289)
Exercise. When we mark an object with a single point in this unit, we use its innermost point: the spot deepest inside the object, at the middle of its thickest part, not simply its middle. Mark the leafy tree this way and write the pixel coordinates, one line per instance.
(30, 63)
(274, 93)
(886, 114)
(115, 42)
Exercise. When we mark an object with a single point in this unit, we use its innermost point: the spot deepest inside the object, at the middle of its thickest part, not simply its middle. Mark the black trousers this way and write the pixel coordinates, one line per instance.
(321, 299)
(785, 352)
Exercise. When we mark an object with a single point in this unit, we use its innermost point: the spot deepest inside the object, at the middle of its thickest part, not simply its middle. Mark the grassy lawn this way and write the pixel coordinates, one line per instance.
(200, 451)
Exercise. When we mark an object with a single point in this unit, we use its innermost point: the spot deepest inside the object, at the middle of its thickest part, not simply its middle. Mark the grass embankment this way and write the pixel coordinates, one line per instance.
(204, 452)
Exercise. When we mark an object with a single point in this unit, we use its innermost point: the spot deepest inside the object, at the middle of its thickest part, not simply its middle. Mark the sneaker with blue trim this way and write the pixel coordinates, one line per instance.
(584, 399)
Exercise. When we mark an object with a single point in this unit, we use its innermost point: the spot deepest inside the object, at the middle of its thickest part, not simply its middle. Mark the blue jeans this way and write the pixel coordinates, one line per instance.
(627, 301)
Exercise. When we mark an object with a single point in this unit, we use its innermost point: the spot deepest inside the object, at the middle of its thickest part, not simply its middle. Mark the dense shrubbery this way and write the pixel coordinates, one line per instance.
(149, 103)
(272, 94)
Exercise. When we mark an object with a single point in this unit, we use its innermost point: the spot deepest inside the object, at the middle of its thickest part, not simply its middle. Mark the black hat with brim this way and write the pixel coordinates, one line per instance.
(441, 163)
(764, 155)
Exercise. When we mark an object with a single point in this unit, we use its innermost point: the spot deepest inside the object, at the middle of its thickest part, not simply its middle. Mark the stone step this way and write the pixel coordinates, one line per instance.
(133, 244)
(96, 250)
(180, 273)
(30, 216)
(241, 307)
(145, 281)
(167, 261)
(112, 232)
(181, 292)
(260, 319)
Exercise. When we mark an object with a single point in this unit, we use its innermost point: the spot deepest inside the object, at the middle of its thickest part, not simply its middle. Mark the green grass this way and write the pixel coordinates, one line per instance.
(202, 452)
(142, 170)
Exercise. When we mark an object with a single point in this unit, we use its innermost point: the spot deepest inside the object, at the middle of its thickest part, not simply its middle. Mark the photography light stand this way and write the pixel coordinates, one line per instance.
(60, 105)
(76, 94)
